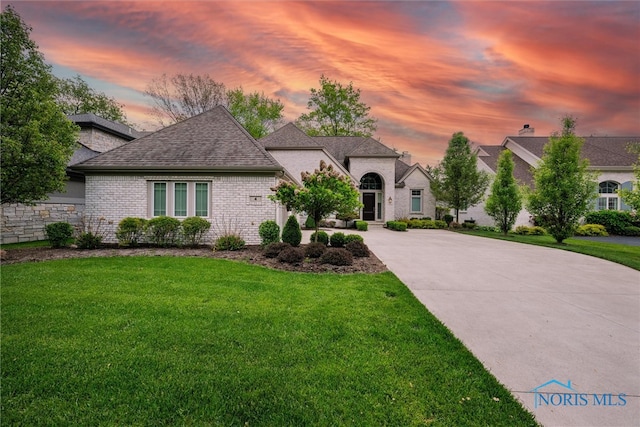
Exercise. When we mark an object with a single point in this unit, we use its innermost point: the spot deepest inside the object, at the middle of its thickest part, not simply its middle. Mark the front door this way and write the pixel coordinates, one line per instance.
(369, 209)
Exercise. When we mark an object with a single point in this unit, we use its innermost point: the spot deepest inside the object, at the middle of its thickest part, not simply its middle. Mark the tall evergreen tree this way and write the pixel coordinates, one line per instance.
(505, 201)
(37, 138)
(457, 180)
(564, 188)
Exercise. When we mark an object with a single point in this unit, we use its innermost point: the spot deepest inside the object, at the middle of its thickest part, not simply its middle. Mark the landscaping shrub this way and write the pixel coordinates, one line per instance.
(470, 225)
(448, 219)
(362, 225)
(337, 256)
(488, 228)
(455, 225)
(130, 231)
(193, 230)
(310, 224)
(314, 250)
(291, 255)
(425, 224)
(291, 232)
(591, 230)
(530, 231)
(358, 249)
(272, 250)
(269, 232)
(58, 233)
(229, 242)
(614, 221)
(353, 238)
(440, 223)
(631, 230)
(88, 240)
(397, 225)
(163, 230)
(337, 240)
(323, 237)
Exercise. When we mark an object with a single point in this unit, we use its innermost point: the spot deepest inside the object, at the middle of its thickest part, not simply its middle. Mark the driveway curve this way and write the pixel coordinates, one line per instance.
(560, 330)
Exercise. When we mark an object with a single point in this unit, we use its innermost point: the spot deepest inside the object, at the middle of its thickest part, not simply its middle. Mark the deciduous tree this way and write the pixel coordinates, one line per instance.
(256, 112)
(564, 188)
(75, 96)
(37, 138)
(457, 180)
(505, 201)
(336, 110)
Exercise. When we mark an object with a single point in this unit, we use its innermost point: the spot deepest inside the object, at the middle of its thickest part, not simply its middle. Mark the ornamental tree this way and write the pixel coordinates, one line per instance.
(505, 201)
(323, 192)
(564, 188)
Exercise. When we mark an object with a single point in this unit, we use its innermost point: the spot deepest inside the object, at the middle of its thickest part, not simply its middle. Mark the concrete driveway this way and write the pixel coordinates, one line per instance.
(560, 330)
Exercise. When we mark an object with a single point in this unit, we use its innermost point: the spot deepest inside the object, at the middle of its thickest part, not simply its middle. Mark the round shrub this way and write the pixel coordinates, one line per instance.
(440, 223)
(362, 225)
(59, 233)
(358, 249)
(591, 230)
(448, 219)
(291, 255)
(314, 250)
(229, 242)
(269, 232)
(337, 256)
(193, 230)
(323, 237)
(163, 230)
(272, 250)
(310, 223)
(353, 238)
(614, 221)
(130, 231)
(88, 241)
(291, 232)
(337, 240)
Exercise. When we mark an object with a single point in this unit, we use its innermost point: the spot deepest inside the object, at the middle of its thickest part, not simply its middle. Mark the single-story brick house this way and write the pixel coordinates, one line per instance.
(607, 155)
(25, 223)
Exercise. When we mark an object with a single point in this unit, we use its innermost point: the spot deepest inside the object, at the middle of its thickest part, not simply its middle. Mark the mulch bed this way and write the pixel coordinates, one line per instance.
(251, 255)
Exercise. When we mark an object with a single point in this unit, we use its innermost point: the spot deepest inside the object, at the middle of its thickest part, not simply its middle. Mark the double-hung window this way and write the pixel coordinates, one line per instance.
(416, 201)
(608, 196)
(179, 199)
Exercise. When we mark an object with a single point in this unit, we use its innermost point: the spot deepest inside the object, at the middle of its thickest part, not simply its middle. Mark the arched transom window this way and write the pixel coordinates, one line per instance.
(608, 196)
(371, 181)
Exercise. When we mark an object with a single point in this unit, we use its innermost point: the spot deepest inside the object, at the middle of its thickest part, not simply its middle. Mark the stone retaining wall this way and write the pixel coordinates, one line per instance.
(23, 223)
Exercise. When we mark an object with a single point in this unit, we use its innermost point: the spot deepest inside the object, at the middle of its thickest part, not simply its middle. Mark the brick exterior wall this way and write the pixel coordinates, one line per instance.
(385, 167)
(238, 203)
(98, 140)
(415, 181)
(23, 223)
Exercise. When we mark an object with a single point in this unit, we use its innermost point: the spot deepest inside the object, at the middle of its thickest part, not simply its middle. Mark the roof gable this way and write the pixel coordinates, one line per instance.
(342, 147)
(288, 136)
(213, 140)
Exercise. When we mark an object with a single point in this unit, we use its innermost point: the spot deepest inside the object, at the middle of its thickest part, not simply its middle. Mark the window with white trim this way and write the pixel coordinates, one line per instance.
(179, 199)
(608, 198)
(416, 200)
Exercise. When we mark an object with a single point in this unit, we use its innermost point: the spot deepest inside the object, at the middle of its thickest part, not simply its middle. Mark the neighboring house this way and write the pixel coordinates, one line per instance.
(607, 155)
(390, 187)
(25, 223)
(207, 165)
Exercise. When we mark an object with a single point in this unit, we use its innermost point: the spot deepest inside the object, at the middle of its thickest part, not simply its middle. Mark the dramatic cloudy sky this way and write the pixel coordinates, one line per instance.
(426, 68)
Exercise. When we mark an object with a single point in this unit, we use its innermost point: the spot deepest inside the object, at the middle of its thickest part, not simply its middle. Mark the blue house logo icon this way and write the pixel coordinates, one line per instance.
(546, 398)
(555, 393)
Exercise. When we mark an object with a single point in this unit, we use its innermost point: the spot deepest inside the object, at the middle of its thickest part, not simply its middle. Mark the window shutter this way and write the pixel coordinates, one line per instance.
(625, 186)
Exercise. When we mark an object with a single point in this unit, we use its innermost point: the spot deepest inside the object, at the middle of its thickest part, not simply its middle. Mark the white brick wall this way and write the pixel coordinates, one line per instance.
(385, 167)
(415, 181)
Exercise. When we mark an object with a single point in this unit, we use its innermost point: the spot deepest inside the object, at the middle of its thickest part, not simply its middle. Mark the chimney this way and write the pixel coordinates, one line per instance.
(406, 157)
(526, 131)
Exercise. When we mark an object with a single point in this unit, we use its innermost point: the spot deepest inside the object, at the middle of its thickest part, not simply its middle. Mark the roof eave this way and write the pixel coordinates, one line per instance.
(161, 169)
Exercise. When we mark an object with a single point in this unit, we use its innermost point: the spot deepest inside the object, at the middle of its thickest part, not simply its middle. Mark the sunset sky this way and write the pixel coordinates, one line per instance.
(426, 68)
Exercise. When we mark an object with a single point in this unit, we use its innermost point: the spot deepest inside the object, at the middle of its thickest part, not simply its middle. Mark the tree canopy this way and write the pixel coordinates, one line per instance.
(75, 96)
(323, 192)
(37, 138)
(457, 180)
(505, 201)
(257, 113)
(336, 110)
(564, 188)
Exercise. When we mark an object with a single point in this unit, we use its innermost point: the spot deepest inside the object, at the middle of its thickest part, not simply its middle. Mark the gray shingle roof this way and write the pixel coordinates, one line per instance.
(211, 141)
(401, 169)
(288, 136)
(119, 129)
(342, 147)
(521, 170)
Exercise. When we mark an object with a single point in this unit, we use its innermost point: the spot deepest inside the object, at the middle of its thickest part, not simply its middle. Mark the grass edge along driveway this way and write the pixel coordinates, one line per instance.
(189, 341)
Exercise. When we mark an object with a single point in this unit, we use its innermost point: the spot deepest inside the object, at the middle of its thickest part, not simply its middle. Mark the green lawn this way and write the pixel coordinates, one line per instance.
(621, 254)
(191, 341)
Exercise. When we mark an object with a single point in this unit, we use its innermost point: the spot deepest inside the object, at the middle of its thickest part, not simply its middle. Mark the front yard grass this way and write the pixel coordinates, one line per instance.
(621, 254)
(191, 341)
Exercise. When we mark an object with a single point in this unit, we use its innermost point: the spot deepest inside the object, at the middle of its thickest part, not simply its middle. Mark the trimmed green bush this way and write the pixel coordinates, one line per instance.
(229, 242)
(337, 240)
(163, 230)
(530, 231)
(362, 225)
(130, 231)
(631, 230)
(353, 238)
(614, 221)
(291, 232)
(314, 250)
(397, 225)
(193, 230)
(358, 249)
(591, 230)
(88, 240)
(337, 256)
(310, 224)
(323, 237)
(448, 219)
(440, 223)
(291, 255)
(272, 250)
(58, 233)
(469, 225)
(269, 232)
